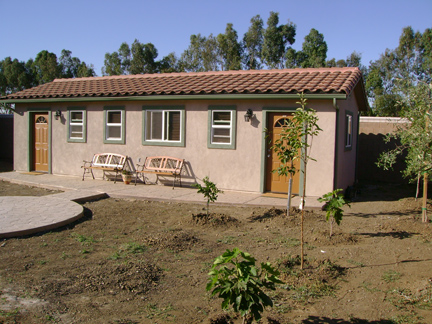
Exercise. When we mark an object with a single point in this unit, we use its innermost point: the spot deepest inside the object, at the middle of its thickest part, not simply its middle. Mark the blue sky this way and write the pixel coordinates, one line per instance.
(90, 28)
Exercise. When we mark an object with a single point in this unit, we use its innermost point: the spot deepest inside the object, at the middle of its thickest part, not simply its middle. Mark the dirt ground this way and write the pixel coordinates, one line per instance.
(135, 261)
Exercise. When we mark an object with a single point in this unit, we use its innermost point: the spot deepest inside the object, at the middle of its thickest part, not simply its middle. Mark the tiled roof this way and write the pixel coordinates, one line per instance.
(287, 81)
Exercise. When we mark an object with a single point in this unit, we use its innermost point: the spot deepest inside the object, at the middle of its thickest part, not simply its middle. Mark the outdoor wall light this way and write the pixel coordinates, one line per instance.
(57, 114)
(248, 115)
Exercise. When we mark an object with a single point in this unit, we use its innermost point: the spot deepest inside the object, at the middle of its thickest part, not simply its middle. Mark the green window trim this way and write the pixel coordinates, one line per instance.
(172, 125)
(110, 124)
(349, 123)
(221, 127)
(73, 121)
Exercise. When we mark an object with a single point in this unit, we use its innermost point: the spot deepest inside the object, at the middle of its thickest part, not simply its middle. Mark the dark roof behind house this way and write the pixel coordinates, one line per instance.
(286, 81)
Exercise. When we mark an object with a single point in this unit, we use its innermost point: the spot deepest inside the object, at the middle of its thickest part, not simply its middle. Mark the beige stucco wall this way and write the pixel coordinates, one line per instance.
(239, 169)
(346, 158)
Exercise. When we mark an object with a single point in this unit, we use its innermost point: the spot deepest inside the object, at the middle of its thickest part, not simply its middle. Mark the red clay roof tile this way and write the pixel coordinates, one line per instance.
(321, 80)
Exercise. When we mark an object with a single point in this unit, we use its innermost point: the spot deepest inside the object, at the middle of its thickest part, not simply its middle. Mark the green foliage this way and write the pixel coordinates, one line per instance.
(314, 50)
(252, 44)
(334, 200)
(210, 191)
(293, 144)
(229, 49)
(396, 71)
(415, 136)
(276, 37)
(241, 283)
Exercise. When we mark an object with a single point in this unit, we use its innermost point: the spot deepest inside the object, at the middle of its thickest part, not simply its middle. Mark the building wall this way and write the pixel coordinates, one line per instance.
(346, 157)
(371, 144)
(239, 169)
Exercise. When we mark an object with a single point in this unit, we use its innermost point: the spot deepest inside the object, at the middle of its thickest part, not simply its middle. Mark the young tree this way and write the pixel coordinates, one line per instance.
(294, 144)
(415, 137)
(252, 44)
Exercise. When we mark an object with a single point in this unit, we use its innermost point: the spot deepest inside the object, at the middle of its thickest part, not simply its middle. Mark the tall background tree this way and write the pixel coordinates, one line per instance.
(276, 38)
(229, 49)
(396, 71)
(252, 44)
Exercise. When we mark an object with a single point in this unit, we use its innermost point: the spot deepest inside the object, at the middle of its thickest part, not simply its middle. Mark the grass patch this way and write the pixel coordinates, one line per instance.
(391, 276)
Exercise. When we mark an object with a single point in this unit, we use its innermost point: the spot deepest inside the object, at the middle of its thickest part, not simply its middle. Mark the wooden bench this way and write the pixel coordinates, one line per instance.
(107, 162)
(161, 165)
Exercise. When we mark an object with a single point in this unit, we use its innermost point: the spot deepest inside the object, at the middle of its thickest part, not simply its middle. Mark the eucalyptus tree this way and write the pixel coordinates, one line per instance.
(314, 49)
(396, 71)
(252, 44)
(112, 64)
(15, 76)
(125, 57)
(170, 63)
(276, 38)
(143, 58)
(45, 67)
(229, 49)
(201, 55)
(210, 54)
(72, 67)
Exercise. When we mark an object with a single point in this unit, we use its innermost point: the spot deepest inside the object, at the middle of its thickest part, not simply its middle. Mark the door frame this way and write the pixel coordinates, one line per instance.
(30, 123)
(264, 144)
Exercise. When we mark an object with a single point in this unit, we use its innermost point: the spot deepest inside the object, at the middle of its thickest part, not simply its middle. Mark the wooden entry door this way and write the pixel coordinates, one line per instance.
(274, 182)
(40, 142)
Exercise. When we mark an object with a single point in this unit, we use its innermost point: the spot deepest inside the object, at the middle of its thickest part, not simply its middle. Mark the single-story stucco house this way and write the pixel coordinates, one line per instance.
(199, 117)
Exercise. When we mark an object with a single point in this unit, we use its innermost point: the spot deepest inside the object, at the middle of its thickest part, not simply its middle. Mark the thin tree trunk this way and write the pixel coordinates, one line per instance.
(425, 193)
(418, 186)
(289, 196)
(302, 218)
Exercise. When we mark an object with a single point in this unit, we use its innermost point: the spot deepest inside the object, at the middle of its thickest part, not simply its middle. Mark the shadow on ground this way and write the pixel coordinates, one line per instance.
(326, 320)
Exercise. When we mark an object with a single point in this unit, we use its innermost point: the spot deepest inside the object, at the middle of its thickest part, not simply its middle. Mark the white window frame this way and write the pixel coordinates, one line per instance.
(121, 125)
(348, 130)
(214, 125)
(73, 123)
(148, 112)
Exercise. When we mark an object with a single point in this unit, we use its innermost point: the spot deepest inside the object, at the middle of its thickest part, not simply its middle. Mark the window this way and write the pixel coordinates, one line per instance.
(76, 125)
(163, 125)
(349, 130)
(222, 127)
(114, 125)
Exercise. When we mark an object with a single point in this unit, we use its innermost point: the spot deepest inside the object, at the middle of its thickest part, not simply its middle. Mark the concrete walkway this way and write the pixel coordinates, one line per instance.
(28, 215)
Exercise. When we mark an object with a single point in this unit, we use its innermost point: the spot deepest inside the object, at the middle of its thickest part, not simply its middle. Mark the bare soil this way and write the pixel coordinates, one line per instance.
(135, 261)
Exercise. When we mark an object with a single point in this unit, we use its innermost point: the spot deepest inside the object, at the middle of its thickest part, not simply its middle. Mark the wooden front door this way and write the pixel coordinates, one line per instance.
(274, 182)
(40, 142)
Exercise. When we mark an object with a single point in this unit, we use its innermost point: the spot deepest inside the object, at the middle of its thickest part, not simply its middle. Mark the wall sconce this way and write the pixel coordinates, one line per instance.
(57, 114)
(248, 115)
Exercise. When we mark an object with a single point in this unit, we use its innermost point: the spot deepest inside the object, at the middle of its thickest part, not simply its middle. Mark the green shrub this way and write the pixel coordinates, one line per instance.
(241, 283)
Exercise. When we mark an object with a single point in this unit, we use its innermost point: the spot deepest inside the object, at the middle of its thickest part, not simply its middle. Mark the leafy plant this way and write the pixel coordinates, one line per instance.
(241, 283)
(210, 191)
(334, 200)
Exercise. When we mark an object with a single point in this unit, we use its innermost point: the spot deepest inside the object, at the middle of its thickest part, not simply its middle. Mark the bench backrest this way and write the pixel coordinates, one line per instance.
(163, 163)
(111, 160)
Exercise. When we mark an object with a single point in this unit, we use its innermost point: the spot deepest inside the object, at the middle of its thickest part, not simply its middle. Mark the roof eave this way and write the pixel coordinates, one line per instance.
(178, 97)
